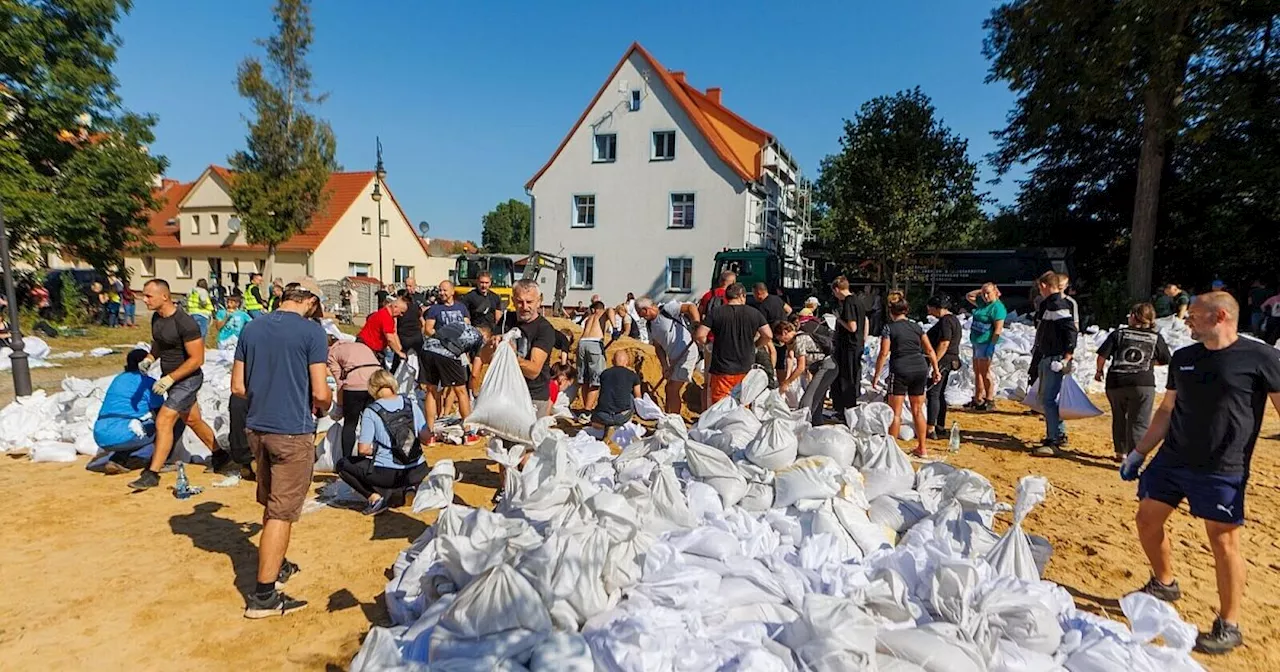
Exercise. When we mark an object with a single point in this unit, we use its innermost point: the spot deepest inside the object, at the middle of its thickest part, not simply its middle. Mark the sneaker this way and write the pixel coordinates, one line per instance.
(287, 570)
(932, 434)
(1221, 639)
(1047, 450)
(275, 604)
(377, 507)
(1160, 591)
(220, 463)
(972, 405)
(149, 479)
(988, 405)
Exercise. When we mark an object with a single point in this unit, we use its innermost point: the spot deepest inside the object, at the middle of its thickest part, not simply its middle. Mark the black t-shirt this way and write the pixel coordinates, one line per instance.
(905, 351)
(1132, 353)
(735, 328)
(169, 338)
(851, 310)
(409, 325)
(537, 334)
(1222, 397)
(562, 342)
(617, 384)
(947, 328)
(771, 308)
(483, 308)
(873, 308)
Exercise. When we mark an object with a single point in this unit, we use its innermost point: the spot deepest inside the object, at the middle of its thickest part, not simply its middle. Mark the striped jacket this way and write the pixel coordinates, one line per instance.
(1056, 333)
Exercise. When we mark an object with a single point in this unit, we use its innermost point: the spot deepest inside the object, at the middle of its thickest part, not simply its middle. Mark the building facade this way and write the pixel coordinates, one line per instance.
(654, 179)
(195, 234)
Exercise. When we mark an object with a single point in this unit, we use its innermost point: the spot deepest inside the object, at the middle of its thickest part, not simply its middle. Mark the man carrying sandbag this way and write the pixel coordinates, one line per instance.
(537, 340)
(1056, 342)
(737, 329)
(1206, 428)
(673, 341)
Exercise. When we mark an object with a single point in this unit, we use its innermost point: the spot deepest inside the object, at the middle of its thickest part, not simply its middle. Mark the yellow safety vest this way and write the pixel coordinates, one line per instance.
(197, 305)
(251, 301)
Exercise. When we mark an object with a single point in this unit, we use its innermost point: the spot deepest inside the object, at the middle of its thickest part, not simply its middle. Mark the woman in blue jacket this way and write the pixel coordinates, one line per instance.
(125, 425)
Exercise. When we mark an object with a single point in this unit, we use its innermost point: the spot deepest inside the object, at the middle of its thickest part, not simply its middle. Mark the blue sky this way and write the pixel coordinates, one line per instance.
(470, 99)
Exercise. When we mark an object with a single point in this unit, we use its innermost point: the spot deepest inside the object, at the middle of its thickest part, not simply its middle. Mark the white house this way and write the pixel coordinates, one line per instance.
(657, 176)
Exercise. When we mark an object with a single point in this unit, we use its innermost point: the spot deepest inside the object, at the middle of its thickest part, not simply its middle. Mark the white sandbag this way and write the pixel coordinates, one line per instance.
(562, 652)
(832, 634)
(1021, 612)
(436, 490)
(974, 493)
(934, 647)
(885, 468)
(1012, 555)
(500, 599)
(646, 409)
(833, 441)
(906, 431)
(714, 468)
(1150, 618)
(329, 450)
(931, 481)
(897, 512)
(381, 652)
(870, 419)
(85, 445)
(669, 503)
(53, 451)
(407, 375)
(504, 406)
(817, 477)
(754, 384)
(1073, 402)
(774, 447)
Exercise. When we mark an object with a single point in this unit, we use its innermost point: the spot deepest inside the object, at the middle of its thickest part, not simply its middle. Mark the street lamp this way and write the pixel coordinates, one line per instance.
(379, 174)
(21, 372)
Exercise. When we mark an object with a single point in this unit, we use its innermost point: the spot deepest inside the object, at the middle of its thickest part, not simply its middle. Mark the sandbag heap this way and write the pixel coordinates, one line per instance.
(750, 541)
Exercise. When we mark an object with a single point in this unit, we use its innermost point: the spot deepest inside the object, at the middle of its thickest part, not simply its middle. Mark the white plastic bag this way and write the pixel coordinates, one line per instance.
(871, 419)
(897, 512)
(1012, 555)
(646, 409)
(504, 406)
(562, 652)
(53, 451)
(329, 450)
(885, 468)
(775, 446)
(500, 599)
(834, 441)
(1073, 402)
(436, 490)
(714, 468)
(817, 477)
(752, 386)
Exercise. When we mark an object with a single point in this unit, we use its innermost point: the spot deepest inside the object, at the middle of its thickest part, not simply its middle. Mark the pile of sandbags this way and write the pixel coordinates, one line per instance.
(38, 353)
(750, 542)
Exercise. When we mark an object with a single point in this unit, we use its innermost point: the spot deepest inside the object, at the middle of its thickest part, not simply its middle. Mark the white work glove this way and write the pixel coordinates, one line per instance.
(162, 385)
(1056, 366)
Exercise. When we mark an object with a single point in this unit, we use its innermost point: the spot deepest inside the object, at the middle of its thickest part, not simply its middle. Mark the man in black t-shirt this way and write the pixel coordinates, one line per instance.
(176, 342)
(1208, 423)
(409, 325)
(851, 329)
(537, 340)
(619, 388)
(738, 329)
(484, 306)
(774, 311)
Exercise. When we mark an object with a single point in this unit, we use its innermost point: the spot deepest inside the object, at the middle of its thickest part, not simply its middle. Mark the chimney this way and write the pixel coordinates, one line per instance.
(713, 92)
(678, 75)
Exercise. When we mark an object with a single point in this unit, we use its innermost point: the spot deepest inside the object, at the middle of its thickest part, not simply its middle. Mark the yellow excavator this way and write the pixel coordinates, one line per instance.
(501, 270)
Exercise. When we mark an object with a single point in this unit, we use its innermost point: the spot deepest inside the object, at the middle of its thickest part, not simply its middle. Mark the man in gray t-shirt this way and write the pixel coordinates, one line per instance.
(672, 338)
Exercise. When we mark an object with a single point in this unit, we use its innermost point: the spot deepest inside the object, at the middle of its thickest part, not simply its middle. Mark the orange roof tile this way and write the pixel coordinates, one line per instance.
(735, 140)
(344, 189)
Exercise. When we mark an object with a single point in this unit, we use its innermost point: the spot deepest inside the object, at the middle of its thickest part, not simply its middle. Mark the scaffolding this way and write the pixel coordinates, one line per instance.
(784, 221)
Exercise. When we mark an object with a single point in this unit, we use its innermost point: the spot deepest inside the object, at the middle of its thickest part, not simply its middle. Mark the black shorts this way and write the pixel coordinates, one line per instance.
(1216, 497)
(910, 383)
(438, 370)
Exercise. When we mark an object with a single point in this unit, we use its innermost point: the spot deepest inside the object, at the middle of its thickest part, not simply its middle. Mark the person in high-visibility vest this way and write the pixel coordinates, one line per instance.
(254, 303)
(200, 306)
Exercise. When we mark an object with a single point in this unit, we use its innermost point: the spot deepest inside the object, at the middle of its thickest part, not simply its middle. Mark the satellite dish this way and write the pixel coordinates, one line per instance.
(423, 228)
(233, 225)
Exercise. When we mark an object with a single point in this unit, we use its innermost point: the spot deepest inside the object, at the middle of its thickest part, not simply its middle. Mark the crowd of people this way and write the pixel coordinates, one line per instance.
(1206, 426)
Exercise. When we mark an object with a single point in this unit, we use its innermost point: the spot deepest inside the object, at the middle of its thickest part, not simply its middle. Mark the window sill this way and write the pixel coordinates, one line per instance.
(660, 159)
(680, 228)
(582, 226)
(586, 287)
(604, 160)
(679, 290)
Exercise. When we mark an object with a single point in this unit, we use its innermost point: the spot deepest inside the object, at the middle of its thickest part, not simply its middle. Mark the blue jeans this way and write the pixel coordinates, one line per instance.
(130, 312)
(111, 316)
(1050, 386)
(1255, 322)
(202, 321)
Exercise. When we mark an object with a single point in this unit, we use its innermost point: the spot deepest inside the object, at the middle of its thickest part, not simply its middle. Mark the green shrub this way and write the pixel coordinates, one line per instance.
(75, 307)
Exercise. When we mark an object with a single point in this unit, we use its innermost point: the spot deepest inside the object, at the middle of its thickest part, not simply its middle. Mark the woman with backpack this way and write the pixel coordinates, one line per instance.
(944, 336)
(1131, 384)
(389, 460)
(813, 356)
(913, 366)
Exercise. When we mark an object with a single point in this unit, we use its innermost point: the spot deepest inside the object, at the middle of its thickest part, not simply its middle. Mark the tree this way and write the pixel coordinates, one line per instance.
(75, 174)
(506, 228)
(281, 175)
(901, 182)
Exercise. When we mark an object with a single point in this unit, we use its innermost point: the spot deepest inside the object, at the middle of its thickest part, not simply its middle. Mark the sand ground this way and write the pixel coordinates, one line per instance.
(98, 578)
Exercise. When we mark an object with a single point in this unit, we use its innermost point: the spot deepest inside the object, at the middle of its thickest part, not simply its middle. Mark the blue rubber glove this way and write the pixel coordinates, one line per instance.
(1132, 465)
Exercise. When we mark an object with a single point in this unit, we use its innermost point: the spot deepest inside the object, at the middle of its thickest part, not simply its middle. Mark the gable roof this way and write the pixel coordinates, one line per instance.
(343, 187)
(735, 140)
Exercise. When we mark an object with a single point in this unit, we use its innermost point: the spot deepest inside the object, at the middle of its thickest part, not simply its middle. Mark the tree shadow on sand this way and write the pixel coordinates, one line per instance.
(216, 534)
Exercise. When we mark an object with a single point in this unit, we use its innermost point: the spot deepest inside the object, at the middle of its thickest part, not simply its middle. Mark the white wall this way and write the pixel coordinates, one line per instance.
(630, 241)
(347, 242)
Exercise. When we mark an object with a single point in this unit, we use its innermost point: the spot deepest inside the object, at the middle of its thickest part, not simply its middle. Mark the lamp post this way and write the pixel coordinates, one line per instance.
(380, 174)
(21, 372)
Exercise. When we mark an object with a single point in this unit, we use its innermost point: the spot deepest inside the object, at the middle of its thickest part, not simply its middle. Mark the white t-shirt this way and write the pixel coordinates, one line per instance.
(670, 334)
(641, 325)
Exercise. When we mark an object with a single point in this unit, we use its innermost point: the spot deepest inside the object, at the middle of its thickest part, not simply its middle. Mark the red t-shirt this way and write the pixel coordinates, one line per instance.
(376, 328)
(554, 387)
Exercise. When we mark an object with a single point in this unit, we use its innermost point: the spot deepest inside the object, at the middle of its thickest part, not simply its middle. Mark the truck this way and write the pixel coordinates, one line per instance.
(760, 265)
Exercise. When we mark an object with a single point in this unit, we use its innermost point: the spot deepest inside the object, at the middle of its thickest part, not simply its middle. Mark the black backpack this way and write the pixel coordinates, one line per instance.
(818, 330)
(404, 437)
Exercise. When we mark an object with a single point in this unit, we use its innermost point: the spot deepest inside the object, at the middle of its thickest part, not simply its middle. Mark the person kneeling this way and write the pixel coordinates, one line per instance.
(125, 427)
(389, 458)
(619, 388)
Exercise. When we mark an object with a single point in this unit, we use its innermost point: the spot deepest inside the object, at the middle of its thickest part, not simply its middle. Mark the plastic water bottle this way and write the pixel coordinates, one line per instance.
(183, 484)
(954, 445)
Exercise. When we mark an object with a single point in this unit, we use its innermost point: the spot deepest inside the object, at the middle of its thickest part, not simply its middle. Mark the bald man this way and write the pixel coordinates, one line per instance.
(619, 388)
(1206, 429)
(447, 311)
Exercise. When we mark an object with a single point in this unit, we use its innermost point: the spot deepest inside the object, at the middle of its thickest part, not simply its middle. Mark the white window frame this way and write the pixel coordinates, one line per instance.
(686, 269)
(688, 208)
(353, 269)
(366, 225)
(596, 156)
(384, 228)
(591, 211)
(213, 223)
(195, 224)
(589, 264)
(184, 273)
(401, 277)
(653, 146)
(148, 269)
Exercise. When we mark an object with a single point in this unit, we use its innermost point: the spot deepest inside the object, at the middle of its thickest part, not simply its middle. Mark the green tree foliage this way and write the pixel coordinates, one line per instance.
(75, 175)
(1141, 117)
(901, 182)
(282, 173)
(506, 228)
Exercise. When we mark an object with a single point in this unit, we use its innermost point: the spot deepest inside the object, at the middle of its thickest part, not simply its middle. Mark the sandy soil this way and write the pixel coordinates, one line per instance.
(98, 578)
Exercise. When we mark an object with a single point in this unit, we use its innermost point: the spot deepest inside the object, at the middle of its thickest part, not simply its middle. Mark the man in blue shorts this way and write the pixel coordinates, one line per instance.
(1208, 423)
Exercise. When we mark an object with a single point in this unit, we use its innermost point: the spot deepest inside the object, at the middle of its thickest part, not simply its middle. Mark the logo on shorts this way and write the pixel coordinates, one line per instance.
(1226, 509)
